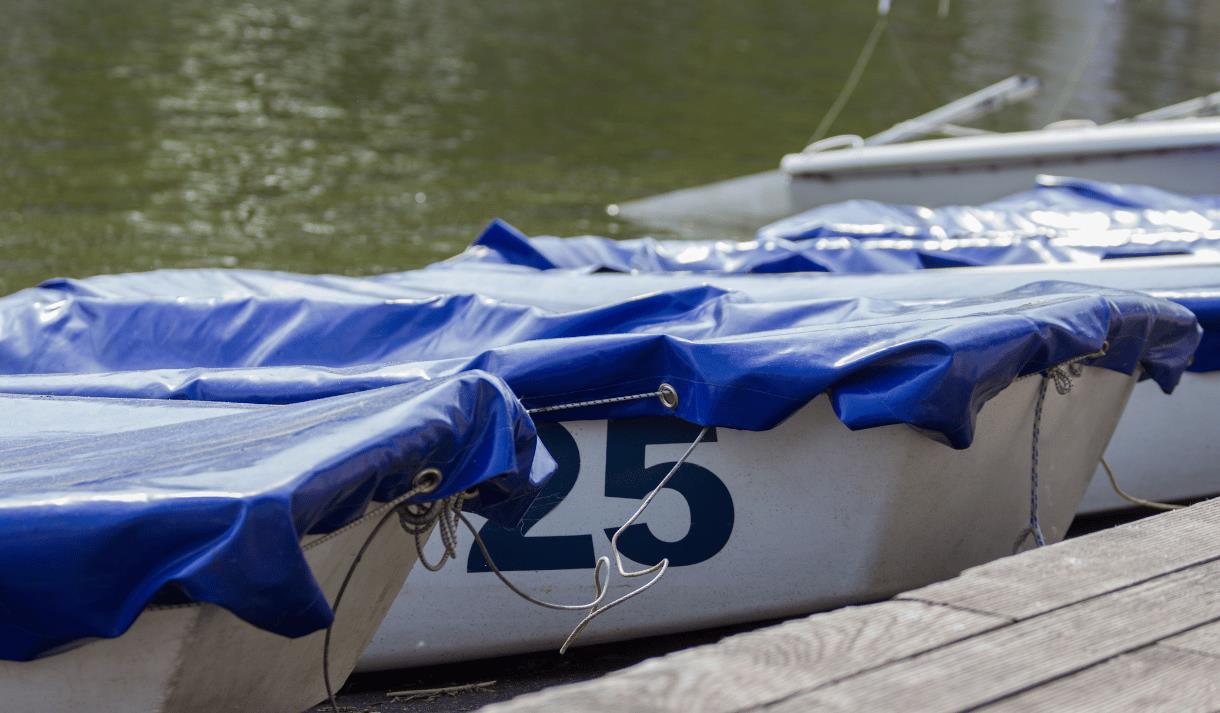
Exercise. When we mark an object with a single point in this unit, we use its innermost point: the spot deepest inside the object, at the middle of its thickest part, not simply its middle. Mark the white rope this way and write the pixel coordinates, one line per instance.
(598, 583)
(595, 607)
(660, 567)
(1132, 498)
(380, 510)
(1071, 367)
(1069, 87)
(857, 71)
(425, 482)
(904, 64)
(417, 518)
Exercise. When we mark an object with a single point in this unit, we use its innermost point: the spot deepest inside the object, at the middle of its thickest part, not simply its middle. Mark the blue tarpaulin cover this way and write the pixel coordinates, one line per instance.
(503, 244)
(736, 363)
(1059, 220)
(107, 504)
(1072, 208)
(1190, 282)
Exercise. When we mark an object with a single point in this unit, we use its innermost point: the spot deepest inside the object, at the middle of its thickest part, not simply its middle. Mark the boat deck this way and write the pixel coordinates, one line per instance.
(1123, 619)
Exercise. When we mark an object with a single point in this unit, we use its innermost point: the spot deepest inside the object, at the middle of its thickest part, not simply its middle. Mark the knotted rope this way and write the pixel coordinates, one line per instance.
(1061, 375)
(448, 523)
(425, 482)
(595, 607)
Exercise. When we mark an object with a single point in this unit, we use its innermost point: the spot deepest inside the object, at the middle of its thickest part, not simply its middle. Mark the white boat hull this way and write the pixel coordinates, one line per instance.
(806, 516)
(1177, 155)
(202, 659)
(1165, 447)
(1190, 171)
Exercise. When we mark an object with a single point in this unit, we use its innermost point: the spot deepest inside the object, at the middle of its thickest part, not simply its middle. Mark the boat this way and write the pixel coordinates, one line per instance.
(1183, 424)
(1058, 219)
(804, 517)
(1088, 218)
(1178, 155)
(1175, 148)
(1091, 219)
(188, 556)
(1060, 229)
(815, 452)
(1073, 227)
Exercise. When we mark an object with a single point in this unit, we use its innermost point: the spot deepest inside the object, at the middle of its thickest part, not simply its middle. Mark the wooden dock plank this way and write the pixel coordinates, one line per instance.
(1008, 660)
(1051, 577)
(1124, 619)
(1204, 640)
(1156, 678)
(748, 670)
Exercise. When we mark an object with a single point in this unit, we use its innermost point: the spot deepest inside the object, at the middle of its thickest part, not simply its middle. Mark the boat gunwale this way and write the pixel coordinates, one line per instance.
(1011, 149)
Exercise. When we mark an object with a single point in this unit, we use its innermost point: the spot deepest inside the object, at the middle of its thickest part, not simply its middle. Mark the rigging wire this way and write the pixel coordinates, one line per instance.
(902, 59)
(1082, 61)
(857, 71)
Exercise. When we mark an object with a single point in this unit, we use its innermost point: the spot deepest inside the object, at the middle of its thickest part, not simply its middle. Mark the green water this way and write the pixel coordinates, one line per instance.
(357, 136)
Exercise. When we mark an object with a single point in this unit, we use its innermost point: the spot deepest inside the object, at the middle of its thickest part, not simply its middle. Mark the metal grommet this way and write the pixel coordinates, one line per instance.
(1105, 347)
(427, 480)
(668, 396)
(470, 493)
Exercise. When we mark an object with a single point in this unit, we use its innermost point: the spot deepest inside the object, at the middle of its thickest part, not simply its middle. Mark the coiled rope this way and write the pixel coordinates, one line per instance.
(425, 482)
(417, 518)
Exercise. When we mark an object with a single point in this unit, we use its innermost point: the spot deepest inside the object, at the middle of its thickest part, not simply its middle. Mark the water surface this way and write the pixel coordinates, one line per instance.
(356, 136)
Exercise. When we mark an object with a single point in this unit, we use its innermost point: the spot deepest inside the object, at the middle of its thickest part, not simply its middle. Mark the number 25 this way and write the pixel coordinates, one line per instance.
(711, 506)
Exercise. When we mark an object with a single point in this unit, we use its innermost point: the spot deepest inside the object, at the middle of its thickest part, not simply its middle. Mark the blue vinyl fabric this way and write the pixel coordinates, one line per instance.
(500, 243)
(735, 362)
(108, 505)
(1076, 211)
(1059, 220)
(1194, 284)
(1067, 193)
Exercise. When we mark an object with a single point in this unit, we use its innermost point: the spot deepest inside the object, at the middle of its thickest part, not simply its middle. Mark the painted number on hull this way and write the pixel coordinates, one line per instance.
(510, 549)
(709, 501)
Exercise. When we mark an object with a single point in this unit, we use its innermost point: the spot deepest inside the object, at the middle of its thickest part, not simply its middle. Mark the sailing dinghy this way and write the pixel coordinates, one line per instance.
(1078, 228)
(1184, 424)
(1175, 148)
(1059, 219)
(812, 453)
(1177, 154)
(187, 556)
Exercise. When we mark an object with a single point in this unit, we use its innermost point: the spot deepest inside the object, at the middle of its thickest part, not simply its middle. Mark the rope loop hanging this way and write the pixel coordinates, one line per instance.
(1061, 375)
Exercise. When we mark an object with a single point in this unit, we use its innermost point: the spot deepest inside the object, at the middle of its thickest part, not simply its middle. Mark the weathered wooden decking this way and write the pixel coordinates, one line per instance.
(1127, 619)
